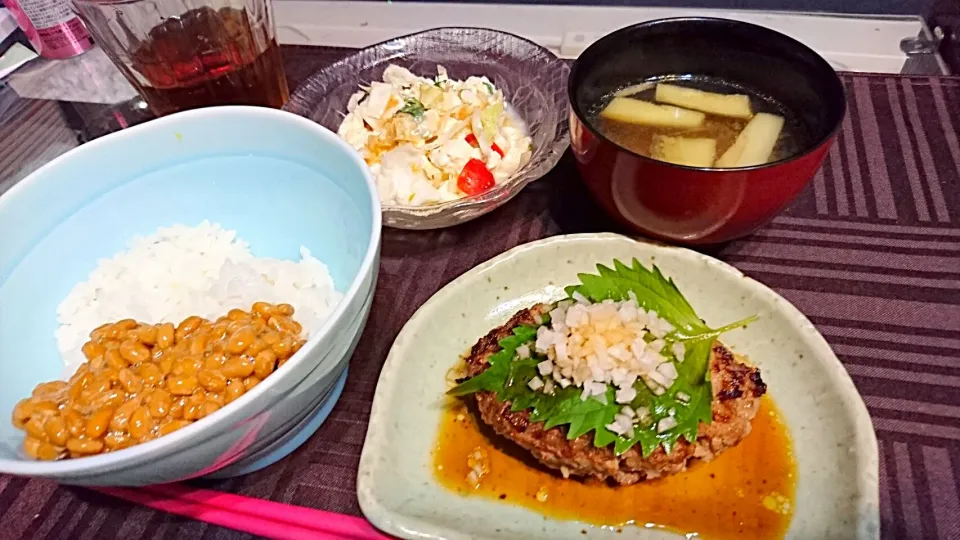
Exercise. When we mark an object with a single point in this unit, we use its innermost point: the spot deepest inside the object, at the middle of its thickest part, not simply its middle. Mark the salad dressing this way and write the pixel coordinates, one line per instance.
(746, 492)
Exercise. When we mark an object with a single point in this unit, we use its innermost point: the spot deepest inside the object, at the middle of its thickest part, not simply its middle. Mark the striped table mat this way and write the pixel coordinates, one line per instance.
(870, 252)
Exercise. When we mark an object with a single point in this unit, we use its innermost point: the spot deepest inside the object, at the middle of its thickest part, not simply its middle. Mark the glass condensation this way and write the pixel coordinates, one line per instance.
(185, 54)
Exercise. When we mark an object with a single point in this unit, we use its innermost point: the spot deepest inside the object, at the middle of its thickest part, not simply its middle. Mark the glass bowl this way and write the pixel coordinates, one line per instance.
(532, 78)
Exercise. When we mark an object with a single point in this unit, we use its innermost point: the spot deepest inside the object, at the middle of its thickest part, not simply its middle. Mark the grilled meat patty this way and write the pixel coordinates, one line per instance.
(737, 388)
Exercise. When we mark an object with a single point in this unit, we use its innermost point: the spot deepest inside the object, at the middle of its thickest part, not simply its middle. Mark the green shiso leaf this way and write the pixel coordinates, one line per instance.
(497, 376)
(653, 291)
(509, 376)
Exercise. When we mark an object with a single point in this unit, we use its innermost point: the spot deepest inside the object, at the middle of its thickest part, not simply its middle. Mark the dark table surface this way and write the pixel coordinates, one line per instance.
(870, 252)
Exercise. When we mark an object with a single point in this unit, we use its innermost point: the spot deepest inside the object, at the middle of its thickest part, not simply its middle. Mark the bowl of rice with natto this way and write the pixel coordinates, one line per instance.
(188, 310)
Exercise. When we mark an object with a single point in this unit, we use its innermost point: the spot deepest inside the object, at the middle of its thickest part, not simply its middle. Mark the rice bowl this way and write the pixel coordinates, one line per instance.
(304, 183)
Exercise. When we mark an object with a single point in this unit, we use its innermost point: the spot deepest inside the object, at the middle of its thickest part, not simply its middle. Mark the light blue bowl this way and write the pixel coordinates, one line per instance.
(279, 180)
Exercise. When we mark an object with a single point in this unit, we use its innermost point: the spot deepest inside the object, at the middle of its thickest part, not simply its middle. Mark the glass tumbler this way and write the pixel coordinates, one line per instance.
(185, 54)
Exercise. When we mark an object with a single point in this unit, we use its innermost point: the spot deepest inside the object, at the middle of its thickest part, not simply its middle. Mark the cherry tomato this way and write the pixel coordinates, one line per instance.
(472, 141)
(475, 178)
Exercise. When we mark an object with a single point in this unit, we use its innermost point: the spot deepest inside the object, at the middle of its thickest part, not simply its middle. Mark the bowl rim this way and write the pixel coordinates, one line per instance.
(297, 104)
(139, 453)
(578, 65)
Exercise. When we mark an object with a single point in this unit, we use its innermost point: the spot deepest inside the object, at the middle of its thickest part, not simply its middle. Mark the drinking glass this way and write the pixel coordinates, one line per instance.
(184, 54)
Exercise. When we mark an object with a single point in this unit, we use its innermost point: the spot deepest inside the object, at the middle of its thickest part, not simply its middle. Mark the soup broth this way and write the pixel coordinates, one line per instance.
(724, 130)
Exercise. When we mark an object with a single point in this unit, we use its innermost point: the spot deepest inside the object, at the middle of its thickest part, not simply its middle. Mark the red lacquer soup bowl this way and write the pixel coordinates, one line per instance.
(692, 205)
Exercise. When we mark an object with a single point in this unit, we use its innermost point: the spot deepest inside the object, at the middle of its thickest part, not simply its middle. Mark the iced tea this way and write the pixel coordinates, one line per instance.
(218, 52)
(209, 57)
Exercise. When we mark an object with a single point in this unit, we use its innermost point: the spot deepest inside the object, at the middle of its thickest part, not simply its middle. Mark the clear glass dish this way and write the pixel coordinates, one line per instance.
(532, 78)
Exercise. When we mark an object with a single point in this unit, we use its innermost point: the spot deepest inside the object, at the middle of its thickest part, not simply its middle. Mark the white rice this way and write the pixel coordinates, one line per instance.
(181, 271)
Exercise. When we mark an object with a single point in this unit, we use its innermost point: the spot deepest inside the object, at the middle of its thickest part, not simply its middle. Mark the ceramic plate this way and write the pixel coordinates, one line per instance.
(834, 442)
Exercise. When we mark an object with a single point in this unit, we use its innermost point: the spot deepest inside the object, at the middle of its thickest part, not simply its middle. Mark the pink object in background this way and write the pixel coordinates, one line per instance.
(52, 27)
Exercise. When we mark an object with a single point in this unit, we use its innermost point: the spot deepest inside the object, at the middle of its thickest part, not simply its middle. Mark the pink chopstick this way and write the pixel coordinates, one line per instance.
(256, 516)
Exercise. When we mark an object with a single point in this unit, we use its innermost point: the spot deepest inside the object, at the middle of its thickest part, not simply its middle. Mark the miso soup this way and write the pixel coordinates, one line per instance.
(700, 122)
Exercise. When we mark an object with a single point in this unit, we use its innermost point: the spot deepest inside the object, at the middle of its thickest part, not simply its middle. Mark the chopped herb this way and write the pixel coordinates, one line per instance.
(414, 108)
(509, 375)
(489, 87)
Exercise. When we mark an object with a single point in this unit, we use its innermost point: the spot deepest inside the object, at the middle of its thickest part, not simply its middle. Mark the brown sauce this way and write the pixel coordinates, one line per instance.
(747, 492)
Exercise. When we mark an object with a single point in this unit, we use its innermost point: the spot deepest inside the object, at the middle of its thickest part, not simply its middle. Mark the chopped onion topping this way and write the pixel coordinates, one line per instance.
(622, 425)
(603, 343)
(596, 347)
(666, 423)
(545, 367)
(594, 389)
(626, 394)
(659, 379)
(678, 350)
(668, 370)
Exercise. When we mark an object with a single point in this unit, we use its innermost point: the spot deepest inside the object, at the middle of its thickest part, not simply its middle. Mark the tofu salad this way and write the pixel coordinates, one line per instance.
(429, 141)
